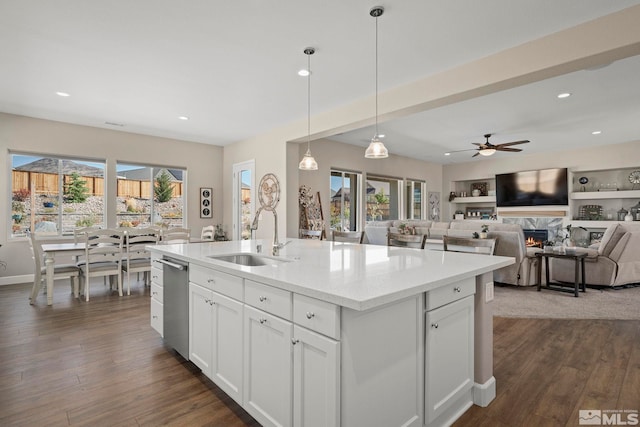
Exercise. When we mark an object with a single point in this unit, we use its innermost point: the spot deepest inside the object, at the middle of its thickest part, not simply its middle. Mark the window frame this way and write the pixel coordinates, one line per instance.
(57, 201)
(396, 198)
(355, 201)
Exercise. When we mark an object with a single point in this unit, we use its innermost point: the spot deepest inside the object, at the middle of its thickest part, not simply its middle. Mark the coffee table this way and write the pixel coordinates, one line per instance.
(578, 257)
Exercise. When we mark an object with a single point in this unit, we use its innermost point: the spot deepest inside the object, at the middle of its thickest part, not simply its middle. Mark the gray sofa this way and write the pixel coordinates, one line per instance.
(510, 242)
(615, 262)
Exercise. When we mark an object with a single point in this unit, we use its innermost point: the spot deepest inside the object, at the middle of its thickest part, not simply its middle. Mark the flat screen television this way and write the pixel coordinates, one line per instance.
(532, 188)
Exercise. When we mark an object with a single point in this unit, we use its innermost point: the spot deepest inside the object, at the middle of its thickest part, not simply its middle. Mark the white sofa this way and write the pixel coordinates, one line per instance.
(510, 242)
(615, 262)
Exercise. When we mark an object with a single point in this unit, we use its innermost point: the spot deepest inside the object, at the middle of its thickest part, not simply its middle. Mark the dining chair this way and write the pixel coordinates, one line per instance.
(174, 235)
(207, 232)
(60, 271)
(406, 240)
(466, 244)
(102, 257)
(136, 257)
(348, 236)
(311, 234)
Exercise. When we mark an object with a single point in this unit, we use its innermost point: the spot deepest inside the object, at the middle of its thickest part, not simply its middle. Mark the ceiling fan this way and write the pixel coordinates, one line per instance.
(488, 148)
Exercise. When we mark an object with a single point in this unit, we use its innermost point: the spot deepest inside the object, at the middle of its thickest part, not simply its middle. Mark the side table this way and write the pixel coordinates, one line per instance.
(578, 257)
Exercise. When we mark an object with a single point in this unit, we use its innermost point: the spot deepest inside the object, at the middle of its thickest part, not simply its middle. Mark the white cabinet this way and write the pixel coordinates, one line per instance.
(200, 327)
(267, 367)
(316, 379)
(449, 358)
(157, 307)
(215, 338)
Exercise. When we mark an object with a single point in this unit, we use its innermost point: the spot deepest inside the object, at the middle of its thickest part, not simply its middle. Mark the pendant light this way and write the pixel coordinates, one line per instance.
(308, 163)
(376, 149)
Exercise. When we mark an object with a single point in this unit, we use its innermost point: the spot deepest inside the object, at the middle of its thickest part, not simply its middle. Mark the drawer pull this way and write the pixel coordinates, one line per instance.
(154, 317)
(457, 289)
(294, 341)
(211, 281)
(310, 314)
(262, 321)
(434, 325)
(154, 276)
(154, 292)
(262, 298)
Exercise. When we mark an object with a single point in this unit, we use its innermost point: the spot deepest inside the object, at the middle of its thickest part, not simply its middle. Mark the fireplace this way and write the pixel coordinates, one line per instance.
(535, 237)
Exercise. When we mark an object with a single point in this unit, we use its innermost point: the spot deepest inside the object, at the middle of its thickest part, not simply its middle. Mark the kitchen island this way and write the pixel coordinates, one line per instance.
(336, 333)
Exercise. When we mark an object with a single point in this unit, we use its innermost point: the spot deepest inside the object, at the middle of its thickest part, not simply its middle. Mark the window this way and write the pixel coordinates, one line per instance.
(345, 196)
(414, 197)
(149, 195)
(55, 195)
(383, 198)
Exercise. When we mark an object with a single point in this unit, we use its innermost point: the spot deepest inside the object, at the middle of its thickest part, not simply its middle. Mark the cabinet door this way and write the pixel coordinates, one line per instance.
(157, 313)
(267, 367)
(226, 363)
(200, 324)
(316, 379)
(448, 355)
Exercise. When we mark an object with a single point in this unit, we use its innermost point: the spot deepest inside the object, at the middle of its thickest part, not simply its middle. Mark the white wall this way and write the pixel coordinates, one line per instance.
(336, 155)
(615, 156)
(203, 164)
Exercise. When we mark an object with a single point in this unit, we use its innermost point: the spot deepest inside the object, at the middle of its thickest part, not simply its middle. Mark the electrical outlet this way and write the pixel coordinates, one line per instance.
(488, 292)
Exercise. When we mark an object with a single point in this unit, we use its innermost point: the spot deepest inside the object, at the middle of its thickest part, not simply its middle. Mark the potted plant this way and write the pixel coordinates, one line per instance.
(484, 228)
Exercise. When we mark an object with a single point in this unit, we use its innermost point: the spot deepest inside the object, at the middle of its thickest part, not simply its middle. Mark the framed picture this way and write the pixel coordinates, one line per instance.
(482, 186)
(595, 237)
(206, 201)
(434, 206)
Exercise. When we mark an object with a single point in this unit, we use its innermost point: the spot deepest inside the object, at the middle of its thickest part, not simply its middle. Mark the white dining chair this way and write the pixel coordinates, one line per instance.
(136, 257)
(102, 257)
(60, 271)
(175, 235)
(207, 232)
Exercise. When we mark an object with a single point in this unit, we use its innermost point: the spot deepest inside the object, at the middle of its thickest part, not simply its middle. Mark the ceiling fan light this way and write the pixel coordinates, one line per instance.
(308, 163)
(487, 151)
(376, 150)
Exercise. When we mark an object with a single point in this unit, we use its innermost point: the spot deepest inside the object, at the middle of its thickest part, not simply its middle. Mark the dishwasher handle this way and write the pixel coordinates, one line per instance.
(172, 264)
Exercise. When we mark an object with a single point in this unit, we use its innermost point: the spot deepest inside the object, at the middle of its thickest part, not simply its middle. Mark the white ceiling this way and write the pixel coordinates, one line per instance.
(231, 68)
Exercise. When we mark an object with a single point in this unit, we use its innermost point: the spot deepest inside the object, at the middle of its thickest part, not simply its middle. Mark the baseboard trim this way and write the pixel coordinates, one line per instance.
(16, 280)
(483, 394)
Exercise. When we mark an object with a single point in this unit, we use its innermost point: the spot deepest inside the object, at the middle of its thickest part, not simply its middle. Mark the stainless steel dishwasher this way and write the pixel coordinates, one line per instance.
(176, 305)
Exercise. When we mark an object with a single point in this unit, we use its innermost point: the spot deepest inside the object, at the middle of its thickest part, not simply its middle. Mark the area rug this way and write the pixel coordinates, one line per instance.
(521, 301)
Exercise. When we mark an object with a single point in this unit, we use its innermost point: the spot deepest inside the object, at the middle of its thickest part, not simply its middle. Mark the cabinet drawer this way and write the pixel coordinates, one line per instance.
(156, 273)
(449, 293)
(272, 300)
(223, 283)
(157, 321)
(319, 316)
(156, 292)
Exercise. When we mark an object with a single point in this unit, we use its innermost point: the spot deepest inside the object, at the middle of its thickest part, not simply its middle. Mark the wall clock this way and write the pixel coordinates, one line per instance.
(634, 178)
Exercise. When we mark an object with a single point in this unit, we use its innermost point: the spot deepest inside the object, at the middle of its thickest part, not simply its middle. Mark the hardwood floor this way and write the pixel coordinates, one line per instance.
(100, 364)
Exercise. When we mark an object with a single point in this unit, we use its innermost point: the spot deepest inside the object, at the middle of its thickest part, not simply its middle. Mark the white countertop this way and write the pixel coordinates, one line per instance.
(356, 276)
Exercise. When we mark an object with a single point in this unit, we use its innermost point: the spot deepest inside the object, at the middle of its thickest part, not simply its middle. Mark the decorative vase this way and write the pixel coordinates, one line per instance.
(483, 235)
(628, 217)
(475, 193)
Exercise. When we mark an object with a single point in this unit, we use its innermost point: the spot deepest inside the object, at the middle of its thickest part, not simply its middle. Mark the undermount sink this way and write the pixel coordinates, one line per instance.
(250, 260)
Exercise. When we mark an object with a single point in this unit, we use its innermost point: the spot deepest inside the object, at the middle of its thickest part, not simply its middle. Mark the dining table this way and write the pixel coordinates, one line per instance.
(50, 250)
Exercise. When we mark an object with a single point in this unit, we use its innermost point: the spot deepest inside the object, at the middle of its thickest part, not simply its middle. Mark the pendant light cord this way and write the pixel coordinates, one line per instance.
(309, 103)
(376, 77)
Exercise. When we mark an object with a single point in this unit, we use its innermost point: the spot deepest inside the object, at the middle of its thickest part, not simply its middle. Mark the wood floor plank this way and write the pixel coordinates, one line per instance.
(100, 363)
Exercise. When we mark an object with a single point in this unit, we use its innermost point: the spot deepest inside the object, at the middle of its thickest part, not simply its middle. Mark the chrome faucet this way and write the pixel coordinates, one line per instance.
(275, 248)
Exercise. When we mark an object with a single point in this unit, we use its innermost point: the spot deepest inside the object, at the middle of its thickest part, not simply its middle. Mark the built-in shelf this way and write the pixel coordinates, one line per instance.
(478, 199)
(596, 195)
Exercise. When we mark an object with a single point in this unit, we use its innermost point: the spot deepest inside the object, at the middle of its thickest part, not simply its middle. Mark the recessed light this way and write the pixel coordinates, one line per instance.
(381, 135)
(62, 94)
(564, 95)
(596, 132)
(303, 73)
(447, 154)
(183, 118)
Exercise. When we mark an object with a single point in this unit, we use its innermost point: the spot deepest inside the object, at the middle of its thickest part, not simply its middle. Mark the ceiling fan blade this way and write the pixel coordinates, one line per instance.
(514, 150)
(514, 143)
(459, 151)
(477, 154)
(478, 144)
